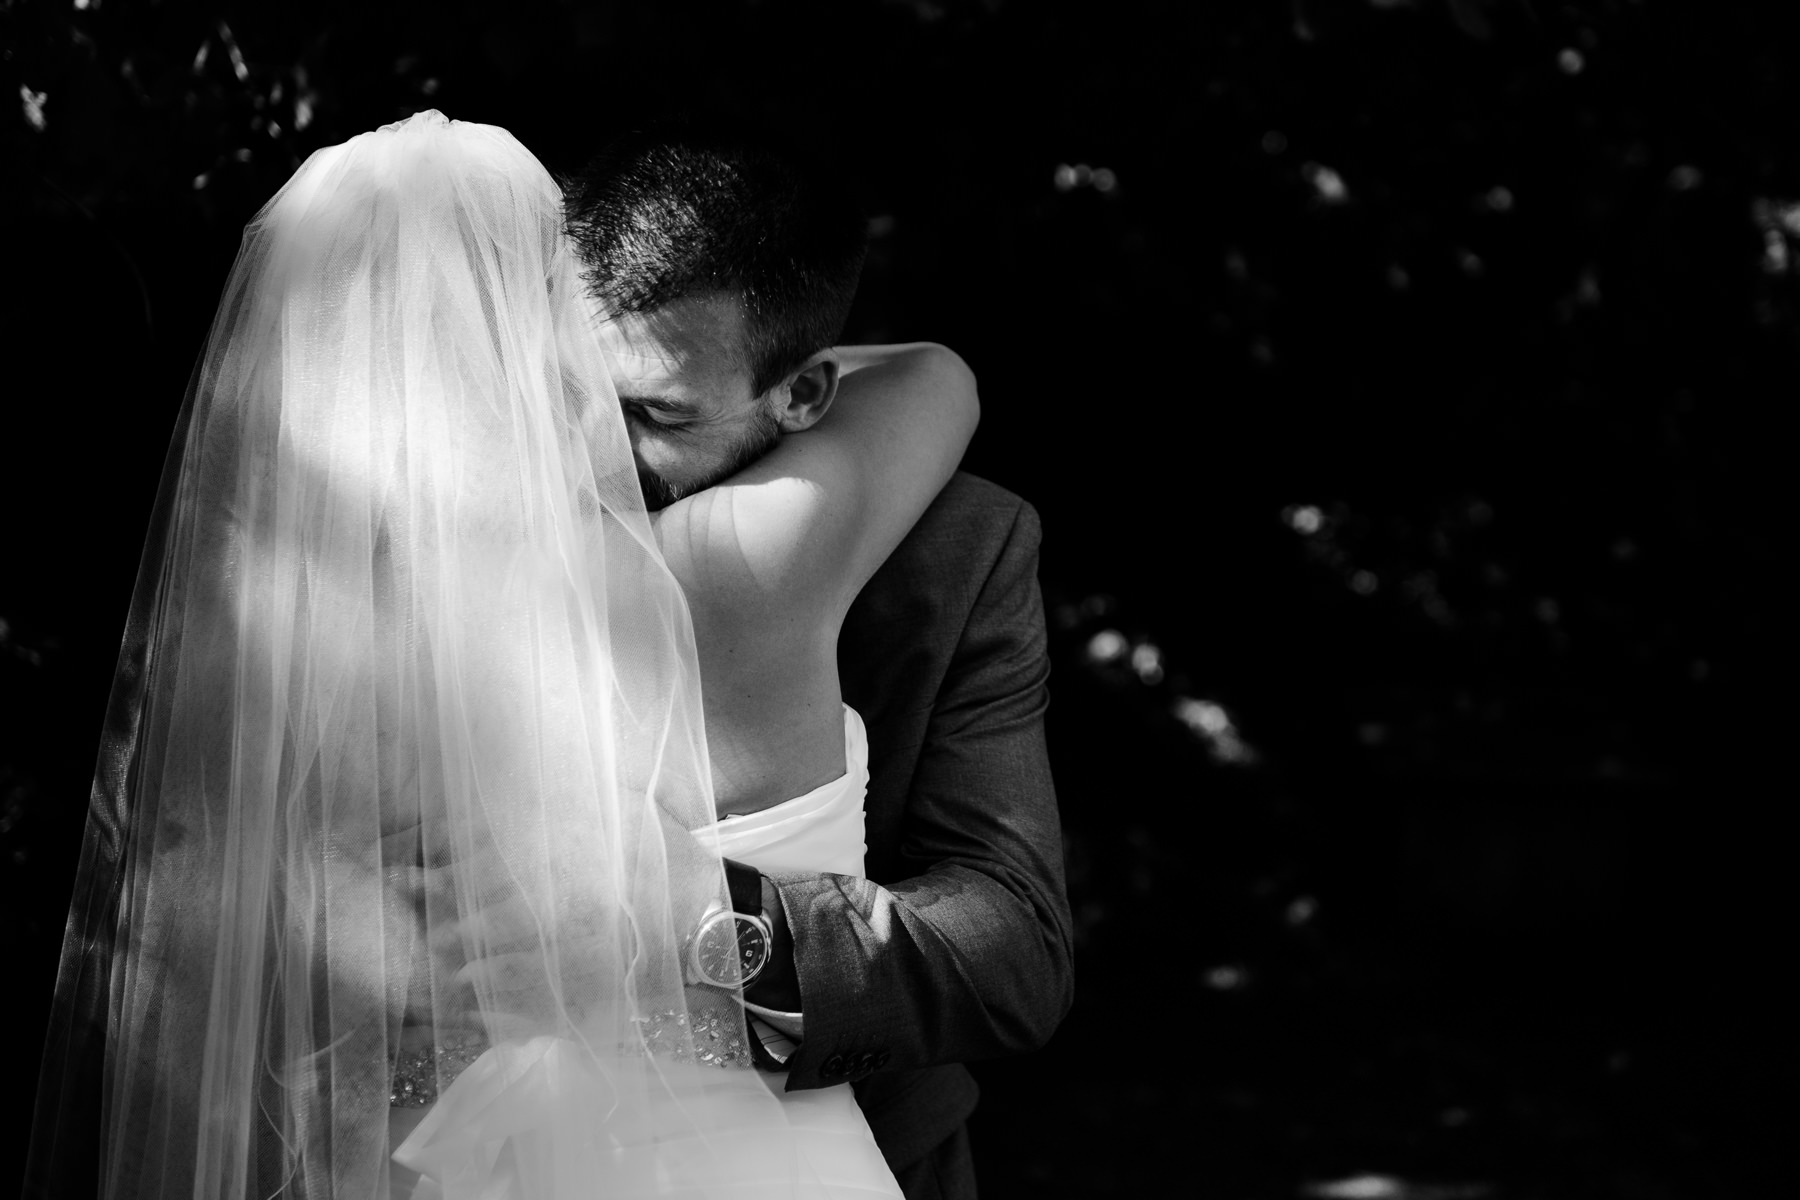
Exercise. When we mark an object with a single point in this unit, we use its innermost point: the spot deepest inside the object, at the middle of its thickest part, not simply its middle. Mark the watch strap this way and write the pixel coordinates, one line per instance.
(743, 883)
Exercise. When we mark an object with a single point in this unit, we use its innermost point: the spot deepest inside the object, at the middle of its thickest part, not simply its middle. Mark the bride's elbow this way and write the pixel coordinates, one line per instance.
(956, 381)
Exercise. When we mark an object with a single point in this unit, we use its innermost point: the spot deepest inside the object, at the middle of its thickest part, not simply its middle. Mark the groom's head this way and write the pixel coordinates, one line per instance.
(724, 273)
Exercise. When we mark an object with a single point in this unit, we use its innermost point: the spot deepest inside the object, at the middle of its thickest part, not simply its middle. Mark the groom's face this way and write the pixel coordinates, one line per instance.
(683, 378)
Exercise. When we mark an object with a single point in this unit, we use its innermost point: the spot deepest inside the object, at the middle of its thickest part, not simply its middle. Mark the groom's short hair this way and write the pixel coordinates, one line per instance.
(673, 212)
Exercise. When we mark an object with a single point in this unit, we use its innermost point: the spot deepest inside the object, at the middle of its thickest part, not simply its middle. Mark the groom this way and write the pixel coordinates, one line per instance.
(730, 272)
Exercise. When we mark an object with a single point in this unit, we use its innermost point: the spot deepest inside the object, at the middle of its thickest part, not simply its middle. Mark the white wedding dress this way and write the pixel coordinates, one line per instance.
(408, 681)
(822, 1149)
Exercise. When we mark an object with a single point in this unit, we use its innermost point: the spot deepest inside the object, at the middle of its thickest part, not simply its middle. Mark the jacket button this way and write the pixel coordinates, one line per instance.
(833, 1067)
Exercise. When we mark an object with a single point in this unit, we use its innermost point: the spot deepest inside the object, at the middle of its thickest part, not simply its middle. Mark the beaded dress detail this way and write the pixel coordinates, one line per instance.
(538, 1082)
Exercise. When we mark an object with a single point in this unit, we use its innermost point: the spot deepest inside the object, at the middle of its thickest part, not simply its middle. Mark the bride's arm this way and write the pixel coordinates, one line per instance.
(796, 535)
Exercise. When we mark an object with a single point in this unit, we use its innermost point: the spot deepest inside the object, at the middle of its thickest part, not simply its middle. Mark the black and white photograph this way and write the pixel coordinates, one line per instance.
(928, 599)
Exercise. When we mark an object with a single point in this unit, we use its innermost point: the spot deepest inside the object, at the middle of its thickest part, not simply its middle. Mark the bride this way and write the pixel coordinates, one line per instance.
(405, 845)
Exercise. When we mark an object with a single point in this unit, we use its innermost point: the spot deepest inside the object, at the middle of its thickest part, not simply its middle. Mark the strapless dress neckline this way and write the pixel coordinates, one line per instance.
(819, 831)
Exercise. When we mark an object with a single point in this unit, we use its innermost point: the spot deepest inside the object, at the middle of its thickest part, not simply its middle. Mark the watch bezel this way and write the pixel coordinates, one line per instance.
(747, 974)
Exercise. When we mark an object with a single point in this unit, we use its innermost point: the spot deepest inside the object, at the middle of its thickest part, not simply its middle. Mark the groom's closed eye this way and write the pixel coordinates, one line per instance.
(659, 414)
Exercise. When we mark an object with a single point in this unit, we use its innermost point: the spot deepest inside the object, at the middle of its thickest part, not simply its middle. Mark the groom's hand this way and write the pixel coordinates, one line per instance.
(510, 968)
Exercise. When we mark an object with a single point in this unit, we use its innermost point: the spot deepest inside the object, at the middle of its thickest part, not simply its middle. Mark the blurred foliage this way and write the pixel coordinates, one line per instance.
(1395, 380)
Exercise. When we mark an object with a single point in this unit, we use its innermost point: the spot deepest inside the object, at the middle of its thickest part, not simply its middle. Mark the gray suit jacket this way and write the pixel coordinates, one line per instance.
(957, 945)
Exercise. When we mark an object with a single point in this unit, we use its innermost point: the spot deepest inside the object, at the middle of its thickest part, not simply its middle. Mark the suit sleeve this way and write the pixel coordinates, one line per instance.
(970, 956)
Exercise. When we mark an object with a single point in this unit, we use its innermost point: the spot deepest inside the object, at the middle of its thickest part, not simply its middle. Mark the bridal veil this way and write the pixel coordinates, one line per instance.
(404, 743)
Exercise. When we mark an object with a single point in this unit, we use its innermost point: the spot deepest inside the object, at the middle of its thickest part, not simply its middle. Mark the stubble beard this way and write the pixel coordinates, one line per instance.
(759, 437)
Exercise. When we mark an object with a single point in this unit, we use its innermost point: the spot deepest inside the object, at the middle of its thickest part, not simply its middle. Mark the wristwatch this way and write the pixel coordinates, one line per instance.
(731, 946)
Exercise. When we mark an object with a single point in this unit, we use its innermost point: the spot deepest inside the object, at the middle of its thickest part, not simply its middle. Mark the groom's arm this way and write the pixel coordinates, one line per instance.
(969, 956)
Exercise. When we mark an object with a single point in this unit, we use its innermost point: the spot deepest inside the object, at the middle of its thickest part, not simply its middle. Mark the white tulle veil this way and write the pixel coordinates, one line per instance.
(407, 688)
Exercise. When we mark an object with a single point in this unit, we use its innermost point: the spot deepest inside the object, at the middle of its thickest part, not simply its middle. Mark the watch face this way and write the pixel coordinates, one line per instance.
(730, 950)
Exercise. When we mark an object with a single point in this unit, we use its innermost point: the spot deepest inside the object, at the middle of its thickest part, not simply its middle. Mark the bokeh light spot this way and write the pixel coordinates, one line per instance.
(1326, 183)
(1587, 289)
(1107, 646)
(33, 104)
(1068, 177)
(1202, 716)
(1303, 518)
(1227, 978)
(1357, 1187)
(239, 67)
(1775, 257)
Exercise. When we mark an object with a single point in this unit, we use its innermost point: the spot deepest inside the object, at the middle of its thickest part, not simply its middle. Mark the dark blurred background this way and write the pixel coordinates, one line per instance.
(1394, 379)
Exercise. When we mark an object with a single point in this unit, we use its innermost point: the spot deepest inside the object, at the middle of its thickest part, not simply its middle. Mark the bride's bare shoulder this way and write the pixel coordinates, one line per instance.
(757, 553)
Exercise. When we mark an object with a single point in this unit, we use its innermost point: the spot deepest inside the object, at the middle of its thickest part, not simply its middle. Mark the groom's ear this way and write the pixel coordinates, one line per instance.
(802, 400)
